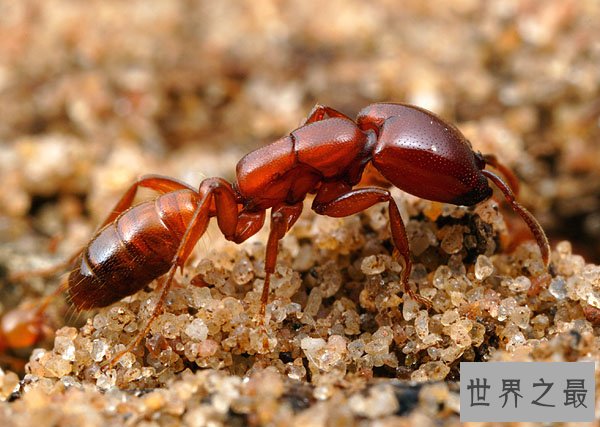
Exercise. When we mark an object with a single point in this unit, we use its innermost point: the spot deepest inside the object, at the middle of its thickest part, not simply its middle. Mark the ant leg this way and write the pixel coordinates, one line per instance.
(220, 199)
(532, 223)
(19, 276)
(359, 199)
(158, 183)
(348, 202)
(196, 228)
(282, 219)
(320, 112)
(401, 242)
(211, 190)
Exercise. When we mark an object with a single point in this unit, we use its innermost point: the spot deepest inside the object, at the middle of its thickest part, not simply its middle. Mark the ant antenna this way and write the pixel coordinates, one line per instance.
(534, 225)
(513, 182)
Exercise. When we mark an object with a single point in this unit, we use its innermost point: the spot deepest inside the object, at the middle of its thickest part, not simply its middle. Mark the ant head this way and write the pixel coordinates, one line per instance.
(423, 155)
(480, 189)
(478, 193)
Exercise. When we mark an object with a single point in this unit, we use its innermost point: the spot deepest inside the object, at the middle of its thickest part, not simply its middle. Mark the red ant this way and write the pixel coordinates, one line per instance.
(23, 327)
(404, 145)
(20, 328)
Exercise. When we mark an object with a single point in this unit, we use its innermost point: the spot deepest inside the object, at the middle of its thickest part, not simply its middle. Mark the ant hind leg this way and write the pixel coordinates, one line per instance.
(159, 183)
(211, 189)
(196, 228)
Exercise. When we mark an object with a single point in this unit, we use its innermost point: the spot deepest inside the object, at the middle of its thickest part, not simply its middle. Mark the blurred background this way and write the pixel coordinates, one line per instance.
(95, 93)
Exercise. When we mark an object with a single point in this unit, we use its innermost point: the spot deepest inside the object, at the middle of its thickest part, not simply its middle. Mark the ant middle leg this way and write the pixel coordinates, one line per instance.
(283, 218)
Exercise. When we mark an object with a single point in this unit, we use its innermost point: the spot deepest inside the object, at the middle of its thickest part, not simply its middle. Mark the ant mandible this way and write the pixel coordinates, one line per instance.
(410, 147)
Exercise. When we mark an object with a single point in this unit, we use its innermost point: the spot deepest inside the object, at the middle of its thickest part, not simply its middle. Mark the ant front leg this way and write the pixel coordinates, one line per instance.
(357, 200)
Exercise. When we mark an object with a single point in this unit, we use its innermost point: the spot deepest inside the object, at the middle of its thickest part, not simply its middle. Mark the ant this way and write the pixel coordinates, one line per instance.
(402, 145)
(23, 327)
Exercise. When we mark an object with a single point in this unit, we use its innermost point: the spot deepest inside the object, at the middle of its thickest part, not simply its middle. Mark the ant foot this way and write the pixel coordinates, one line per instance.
(113, 361)
(426, 302)
(110, 364)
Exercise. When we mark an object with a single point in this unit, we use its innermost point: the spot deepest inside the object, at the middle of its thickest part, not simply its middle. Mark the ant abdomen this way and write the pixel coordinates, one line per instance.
(130, 252)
